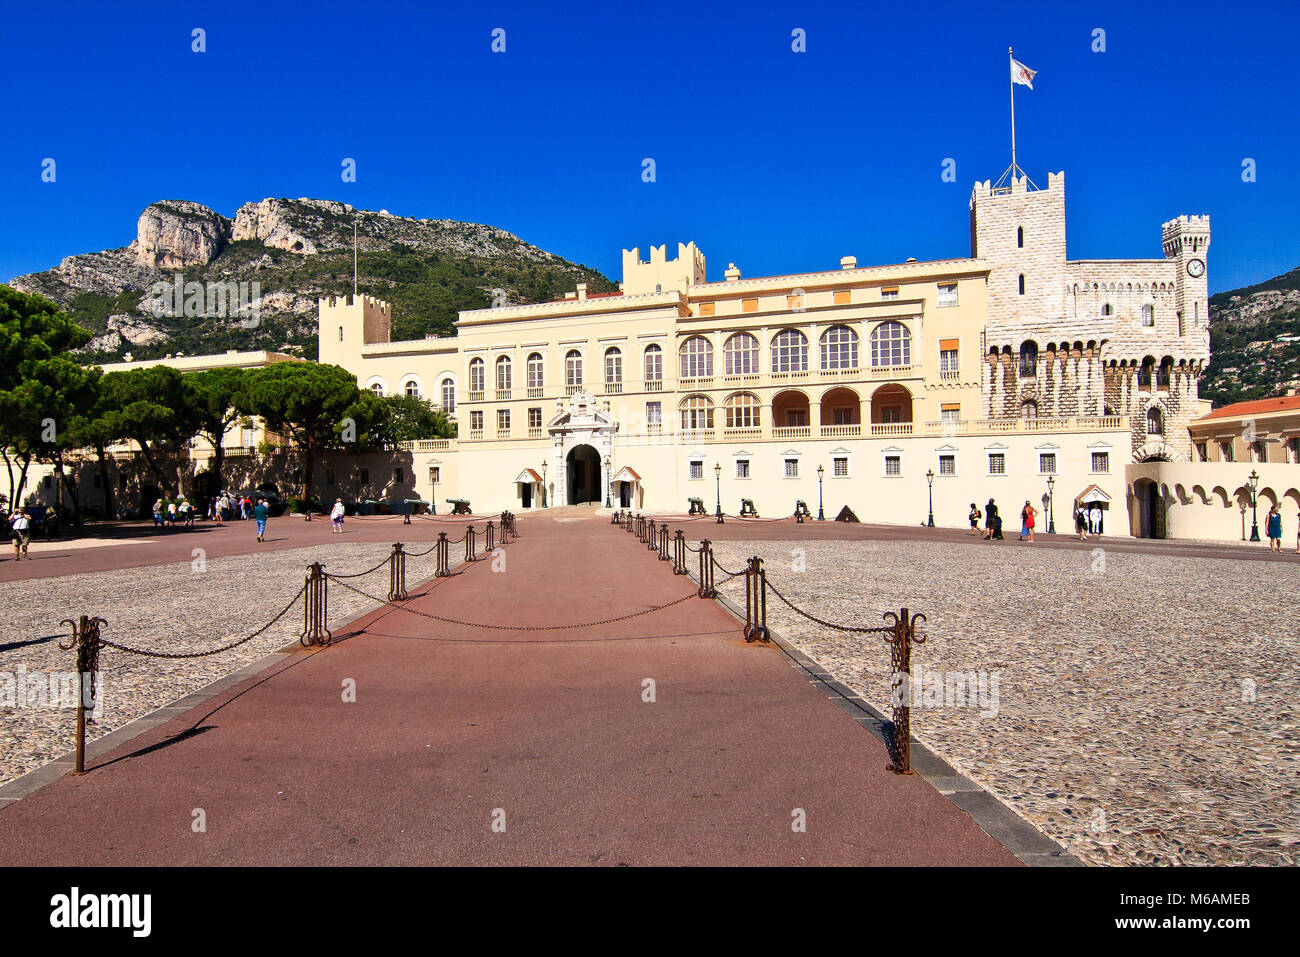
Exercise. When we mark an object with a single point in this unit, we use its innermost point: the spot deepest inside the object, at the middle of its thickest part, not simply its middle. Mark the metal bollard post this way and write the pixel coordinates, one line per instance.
(615, 518)
(85, 639)
(489, 538)
(652, 536)
(441, 557)
(756, 601)
(706, 589)
(679, 553)
(315, 608)
(663, 542)
(397, 574)
(900, 638)
(469, 546)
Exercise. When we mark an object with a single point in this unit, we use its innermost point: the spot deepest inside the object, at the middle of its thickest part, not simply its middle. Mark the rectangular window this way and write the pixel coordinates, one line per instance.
(399, 475)
(1046, 463)
(950, 412)
(948, 355)
(1225, 452)
(706, 308)
(997, 463)
(840, 466)
(654, 412)
(697, 470)
(503, 420)
(791, 468)
(476, 420)
(947, 465)
(435, 473)
(794, 301)
(795, 418)
(893, 465)
(749, 305)
(1101, 461)
(534, 418)
(888, 292)
(947, 294)
(842, 297)
(742, 468)
(1294, 446)
(842, 416)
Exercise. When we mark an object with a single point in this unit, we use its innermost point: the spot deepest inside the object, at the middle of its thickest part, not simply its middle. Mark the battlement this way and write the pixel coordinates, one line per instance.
(1019, 186)
(343, 302)
(660, 273)
(1186, 234)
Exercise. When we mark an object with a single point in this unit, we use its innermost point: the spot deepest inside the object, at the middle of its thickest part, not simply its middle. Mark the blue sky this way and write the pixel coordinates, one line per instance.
(779, 161)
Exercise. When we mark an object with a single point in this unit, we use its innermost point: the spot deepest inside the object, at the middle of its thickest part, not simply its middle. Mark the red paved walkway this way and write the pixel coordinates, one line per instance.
(451, 723)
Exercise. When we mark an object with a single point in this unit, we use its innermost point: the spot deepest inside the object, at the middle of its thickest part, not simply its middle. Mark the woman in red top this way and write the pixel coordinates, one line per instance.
(1027, 521)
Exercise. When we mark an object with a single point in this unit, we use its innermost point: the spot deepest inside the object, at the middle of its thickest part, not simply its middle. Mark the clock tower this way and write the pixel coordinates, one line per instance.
(1186, 240)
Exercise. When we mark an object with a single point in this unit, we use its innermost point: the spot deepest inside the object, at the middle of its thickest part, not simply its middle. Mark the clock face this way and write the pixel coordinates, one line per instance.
(1196, 268)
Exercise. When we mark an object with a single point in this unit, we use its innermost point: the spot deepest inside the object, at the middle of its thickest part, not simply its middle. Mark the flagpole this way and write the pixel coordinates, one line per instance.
(1012, 82)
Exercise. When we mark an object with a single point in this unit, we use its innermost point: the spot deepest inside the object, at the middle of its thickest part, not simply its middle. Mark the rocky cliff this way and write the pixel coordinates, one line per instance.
(287, 253)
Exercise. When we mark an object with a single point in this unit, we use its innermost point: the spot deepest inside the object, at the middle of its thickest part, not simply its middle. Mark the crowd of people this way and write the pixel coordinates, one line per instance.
(1087, 520)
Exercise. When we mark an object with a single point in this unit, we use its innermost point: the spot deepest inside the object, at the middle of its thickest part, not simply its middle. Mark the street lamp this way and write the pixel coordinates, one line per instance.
(608, 483)
(717, 473)
(1051, 503)
(821, 514)
(544, 505)
(929, 477)
(1254, 515)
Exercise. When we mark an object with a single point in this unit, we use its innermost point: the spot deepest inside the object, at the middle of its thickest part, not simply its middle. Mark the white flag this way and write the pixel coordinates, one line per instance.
(1022, 74)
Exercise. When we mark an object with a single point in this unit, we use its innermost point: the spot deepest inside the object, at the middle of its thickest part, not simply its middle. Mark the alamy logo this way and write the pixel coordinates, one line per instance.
(53, 690)
(207, 300)
(931, 688)
(134, 911)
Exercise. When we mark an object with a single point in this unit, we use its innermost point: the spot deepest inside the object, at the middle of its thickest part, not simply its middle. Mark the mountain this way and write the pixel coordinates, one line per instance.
(1254, 341)
(295, 251)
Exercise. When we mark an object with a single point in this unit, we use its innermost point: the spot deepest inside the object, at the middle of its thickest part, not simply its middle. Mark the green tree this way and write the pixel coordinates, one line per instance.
(409, 418)
(215, 392)
(314, 406)
(155, 408)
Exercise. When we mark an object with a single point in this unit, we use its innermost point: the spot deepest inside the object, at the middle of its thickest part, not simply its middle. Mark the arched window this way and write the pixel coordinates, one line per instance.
(654, 363)
(1148, 315)
(573, 367)
(1022, 284)
(1155, 421)
(790, 351)
(535, 371)
(697, 413)
(740, 355)
(1029, 359)
(1165, 372)
(448, 396)
(891, 345)
(1106, 309)
(1029, 410)
(839, 348)
(742, 411)
(1144, 372)
(1020, 240)
(503, 373)
(378, 389)
(613, 365)
(412, 389)
(476, 375)
(696, 357)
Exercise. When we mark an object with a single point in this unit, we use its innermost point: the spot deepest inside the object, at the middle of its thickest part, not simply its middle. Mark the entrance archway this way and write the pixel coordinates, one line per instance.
(582, 467)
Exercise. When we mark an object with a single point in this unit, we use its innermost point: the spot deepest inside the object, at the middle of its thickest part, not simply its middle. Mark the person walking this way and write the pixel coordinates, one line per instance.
(990, 520)
(1275, 530)
(974, 519)
(1027, 522)
(22, 527)
(260, 514)
(158, 513)
(1081, 523)
(336, 517)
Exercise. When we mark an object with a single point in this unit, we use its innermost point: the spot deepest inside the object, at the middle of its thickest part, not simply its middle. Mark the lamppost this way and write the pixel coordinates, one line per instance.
(929, 477)
(821, 514)
(1254, 515)
(544, 505)
(717, 473)
(1051, 505)
(608, 483)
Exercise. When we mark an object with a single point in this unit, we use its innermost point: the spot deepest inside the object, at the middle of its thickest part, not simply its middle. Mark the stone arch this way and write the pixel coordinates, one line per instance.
(891, 403)
(1221, 494)
(843, 400)
(790, 409)
(1199, 492)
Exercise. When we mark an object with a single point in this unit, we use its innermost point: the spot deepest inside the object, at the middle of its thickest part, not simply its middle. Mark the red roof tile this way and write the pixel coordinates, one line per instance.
(1278, 403)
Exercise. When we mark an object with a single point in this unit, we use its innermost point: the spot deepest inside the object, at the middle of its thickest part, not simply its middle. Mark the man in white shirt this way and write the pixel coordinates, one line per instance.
(22, 534)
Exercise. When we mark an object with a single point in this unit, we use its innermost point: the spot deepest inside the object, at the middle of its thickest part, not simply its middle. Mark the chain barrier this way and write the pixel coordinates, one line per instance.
(368, 571)
(756, 601)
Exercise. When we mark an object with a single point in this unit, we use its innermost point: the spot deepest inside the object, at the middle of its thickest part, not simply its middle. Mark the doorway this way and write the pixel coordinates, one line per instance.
(582, 467)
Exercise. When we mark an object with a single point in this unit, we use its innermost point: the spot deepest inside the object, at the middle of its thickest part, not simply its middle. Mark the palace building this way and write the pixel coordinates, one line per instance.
(881, 388)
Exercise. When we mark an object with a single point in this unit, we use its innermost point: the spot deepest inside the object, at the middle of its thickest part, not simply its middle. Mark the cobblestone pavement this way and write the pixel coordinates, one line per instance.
(1145, 704)
(171, 607)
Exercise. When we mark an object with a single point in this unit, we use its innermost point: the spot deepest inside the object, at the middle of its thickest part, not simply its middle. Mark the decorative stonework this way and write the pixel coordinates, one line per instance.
(583, 422)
